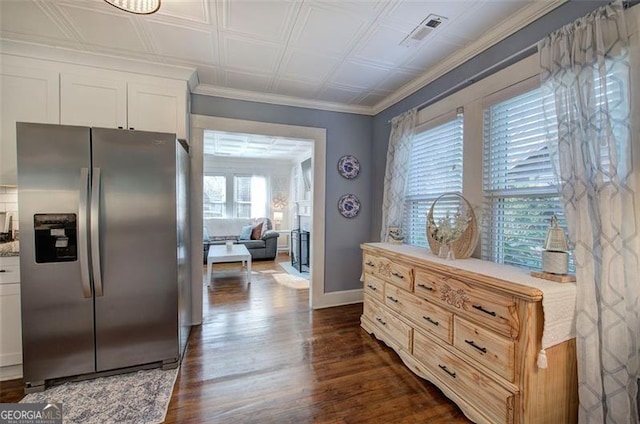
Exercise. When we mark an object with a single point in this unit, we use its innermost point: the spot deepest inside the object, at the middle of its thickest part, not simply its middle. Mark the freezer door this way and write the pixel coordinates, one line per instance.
(57, 303)
(183, 248)
(137, 313)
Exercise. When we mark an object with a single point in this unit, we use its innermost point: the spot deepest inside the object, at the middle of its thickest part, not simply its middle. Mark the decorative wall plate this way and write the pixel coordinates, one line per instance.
(349, 167)
(349, 205)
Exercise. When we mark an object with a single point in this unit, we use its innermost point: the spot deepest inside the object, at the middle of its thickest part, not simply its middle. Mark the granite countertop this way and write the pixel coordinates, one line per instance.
(11, 248)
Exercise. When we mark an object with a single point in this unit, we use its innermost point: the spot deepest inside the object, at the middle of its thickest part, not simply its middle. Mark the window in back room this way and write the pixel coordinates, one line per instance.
(250, 196)
(215, 196)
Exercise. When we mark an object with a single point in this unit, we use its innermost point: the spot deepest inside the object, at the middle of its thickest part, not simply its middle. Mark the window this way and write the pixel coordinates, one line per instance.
(215, 197)
(250, 196)
(519, 183)
(248, 193)
(242, 197)
(435, 168)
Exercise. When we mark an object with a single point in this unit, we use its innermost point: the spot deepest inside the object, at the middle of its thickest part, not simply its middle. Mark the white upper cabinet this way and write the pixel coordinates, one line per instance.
(55, 92)
(100, 102)
(28, 95)
(157, 108)
(93, 101)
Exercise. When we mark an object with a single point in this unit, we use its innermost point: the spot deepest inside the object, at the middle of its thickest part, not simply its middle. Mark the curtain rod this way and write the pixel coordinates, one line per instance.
(519, 55)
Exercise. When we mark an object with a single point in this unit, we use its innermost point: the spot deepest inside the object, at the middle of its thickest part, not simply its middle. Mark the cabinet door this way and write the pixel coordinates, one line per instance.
(92, 101)
(28, 95)
(10, 328)
(157, 108)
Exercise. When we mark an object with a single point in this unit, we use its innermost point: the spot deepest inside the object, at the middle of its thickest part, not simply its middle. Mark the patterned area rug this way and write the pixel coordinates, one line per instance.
(293, 278)
(138, 397)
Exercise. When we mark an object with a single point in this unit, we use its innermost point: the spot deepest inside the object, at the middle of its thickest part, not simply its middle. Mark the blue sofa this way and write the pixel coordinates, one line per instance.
(219, 231)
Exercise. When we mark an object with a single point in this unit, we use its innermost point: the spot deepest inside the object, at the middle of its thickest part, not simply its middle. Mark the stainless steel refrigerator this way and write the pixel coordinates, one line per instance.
(104, 237)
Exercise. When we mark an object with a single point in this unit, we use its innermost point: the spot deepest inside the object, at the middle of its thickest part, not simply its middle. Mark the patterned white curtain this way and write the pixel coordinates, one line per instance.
(395, 177)
(585, 77)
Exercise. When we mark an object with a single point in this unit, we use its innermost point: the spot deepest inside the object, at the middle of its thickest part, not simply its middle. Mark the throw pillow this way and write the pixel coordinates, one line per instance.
(245, 233)
(256, 232)
(266, 224)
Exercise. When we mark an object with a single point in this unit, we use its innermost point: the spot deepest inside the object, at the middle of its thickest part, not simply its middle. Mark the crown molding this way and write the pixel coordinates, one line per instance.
(193, 82)
(277, 99)
(70, 55)
(514, 23)
(96, 60)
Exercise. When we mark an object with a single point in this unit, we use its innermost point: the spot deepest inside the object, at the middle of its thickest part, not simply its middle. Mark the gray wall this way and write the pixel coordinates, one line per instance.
(367, 138)
(460, 77)
(346, 134)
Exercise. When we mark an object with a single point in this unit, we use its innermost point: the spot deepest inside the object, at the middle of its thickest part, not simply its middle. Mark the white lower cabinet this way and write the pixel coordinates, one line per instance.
(10, 319)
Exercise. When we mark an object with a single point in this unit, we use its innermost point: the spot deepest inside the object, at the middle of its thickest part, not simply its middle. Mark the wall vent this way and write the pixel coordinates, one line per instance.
(421, 31)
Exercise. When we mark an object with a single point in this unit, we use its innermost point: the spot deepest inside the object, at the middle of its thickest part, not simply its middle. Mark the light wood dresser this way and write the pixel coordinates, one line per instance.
(475, 336)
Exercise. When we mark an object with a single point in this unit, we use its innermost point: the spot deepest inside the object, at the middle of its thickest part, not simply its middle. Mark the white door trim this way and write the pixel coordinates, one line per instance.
(200, 123)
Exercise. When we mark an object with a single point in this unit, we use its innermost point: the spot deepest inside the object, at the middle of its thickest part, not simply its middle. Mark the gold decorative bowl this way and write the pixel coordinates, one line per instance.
(463, 246)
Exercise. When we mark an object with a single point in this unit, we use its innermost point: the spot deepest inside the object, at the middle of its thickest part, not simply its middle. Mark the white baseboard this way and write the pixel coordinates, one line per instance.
(338, 298)
(10, 372)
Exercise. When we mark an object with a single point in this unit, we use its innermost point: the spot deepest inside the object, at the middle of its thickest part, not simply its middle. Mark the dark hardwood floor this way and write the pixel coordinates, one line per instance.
(263, 356)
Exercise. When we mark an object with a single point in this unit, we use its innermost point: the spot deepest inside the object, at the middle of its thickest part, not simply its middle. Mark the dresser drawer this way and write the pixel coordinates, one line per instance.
(374, 287)
(388, 322)
(493, 351)
(384, 268)
(369, 263)
(480, 391)
(493, 310)
(395, 273)
(426, 315)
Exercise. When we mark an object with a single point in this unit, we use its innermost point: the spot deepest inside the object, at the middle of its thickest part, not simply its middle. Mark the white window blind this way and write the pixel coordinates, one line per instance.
(435, 168)
(519, 183)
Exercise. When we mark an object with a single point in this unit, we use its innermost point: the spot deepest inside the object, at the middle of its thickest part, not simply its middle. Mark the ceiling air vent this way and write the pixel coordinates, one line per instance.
(421, 31)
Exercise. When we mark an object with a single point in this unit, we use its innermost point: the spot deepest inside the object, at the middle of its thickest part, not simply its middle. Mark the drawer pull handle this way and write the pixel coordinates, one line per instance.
(374, 288)
(472, 343)
(481, 309)
(425, 287)
(431, 321)
(370, 263)
(395, 274)
(391, 298)
(3, 270)
(381, 321)
(444, 368)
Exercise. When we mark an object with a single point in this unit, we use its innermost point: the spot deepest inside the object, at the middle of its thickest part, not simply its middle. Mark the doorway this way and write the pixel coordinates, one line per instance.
(317, 137)
(250, 178)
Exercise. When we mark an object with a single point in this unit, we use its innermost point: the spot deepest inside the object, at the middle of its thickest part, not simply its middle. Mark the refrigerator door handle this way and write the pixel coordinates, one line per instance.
(83, 250)
(95, 232)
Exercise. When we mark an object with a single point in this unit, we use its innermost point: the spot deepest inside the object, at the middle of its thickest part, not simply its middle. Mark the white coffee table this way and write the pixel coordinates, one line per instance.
(219, 254)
